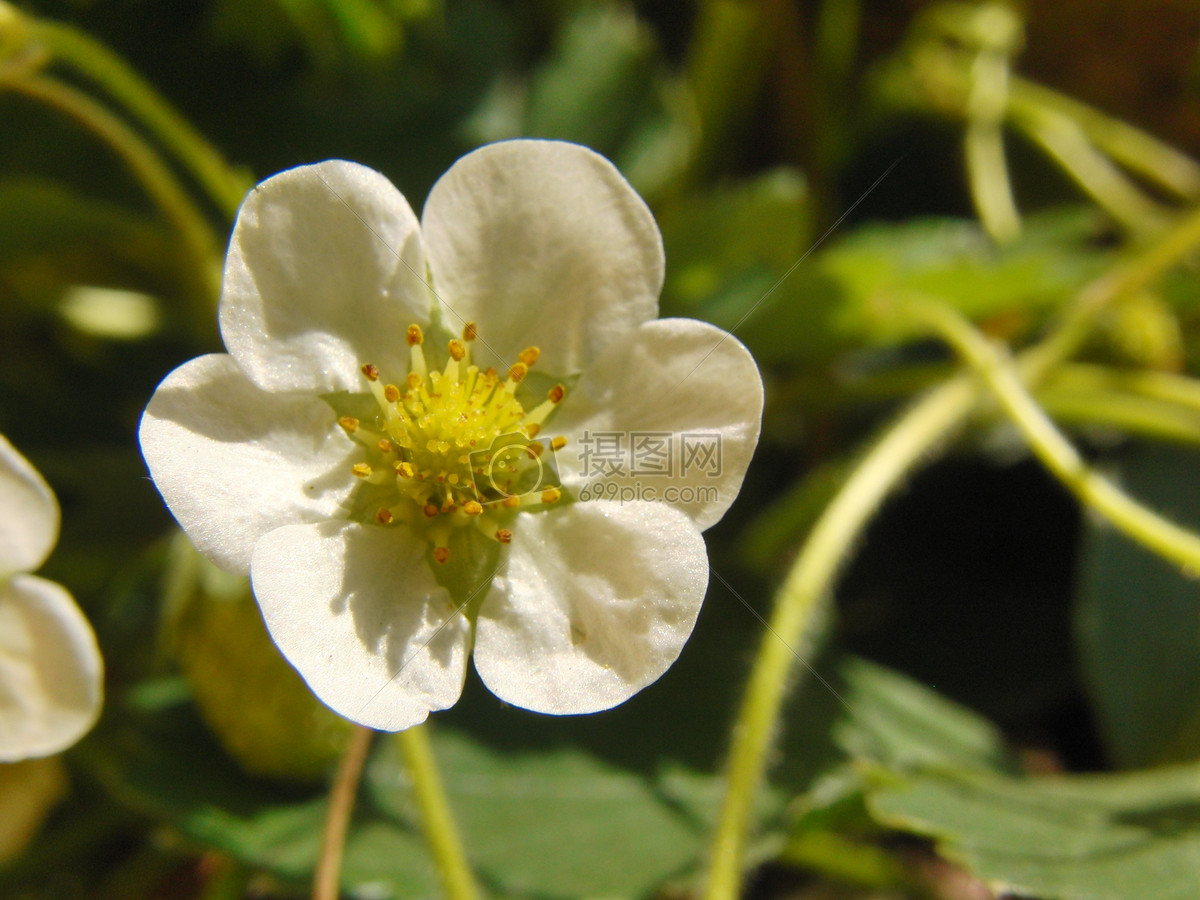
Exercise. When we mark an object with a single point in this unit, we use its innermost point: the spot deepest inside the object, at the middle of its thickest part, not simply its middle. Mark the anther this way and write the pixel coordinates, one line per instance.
(391, 393)
(558, 443)
(470, 332)
(472, 508)
(503, 535)
(430, 510)
(405, 469)
(555, 394)
(349, 423)
(414, 336)
(441, 554)
(383, 516)
(384, 445)
(457, 350)
(533, 429)
(517, 372)
(362, 470)
(529, 355)
(413, 381)
(370, 372)
(551, 495)
(512, 501)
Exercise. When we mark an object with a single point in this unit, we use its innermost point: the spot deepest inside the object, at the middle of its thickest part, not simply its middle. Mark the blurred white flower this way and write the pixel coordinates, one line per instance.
(381, 450)
(51, 683)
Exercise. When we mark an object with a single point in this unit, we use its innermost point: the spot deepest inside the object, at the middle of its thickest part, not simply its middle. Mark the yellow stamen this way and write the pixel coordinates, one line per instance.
(517, 372)
(551, 495)
(370, 372)
(558, 443)
(441, 554)
(414, 336)
(383, 516)
(470, 332)
(504, 536)
(457, 350)
(349, 423)
(362, 470)
(529, 355)
(391, 393)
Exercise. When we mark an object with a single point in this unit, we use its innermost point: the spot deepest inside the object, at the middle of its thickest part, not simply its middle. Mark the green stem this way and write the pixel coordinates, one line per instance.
(911, 440)
(328, 876)
(913, 437)
(1149, 157)
(226, 187)
(437, 820)
(1065, 140)
(198, 239)
(987, 175)
(1050, 446)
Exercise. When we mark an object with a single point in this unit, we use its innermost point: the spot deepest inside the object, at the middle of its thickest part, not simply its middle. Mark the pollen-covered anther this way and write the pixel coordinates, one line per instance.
(532, 429)
(517, 372)
(529, 355)
(430, 510)
(413, 381)
(470, 332)
(555, 394)
(349, 424)
(384, 445)
(384, 516)
(441, 554)
(551, 495)
(414, 336)
(558, 443)
(457, 350)
(472, 508)
(391, 393)
(370, 372)
(405, 469)
(361, 470)
(504, 536)
(512, 501)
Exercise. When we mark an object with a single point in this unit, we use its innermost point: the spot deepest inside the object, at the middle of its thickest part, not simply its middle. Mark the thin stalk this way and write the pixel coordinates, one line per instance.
(1066, 141)
(198, 239)
(915, 437)
(337, 819)
(437, 820)
(1056, 453)
(1157, 162)
(225, 186)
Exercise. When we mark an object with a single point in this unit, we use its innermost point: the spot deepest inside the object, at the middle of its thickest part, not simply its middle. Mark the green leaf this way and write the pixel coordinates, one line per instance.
(1096, 837)
(1138, 621)
(728, 246)
(845, 295)
(902, 725)
(585, 827)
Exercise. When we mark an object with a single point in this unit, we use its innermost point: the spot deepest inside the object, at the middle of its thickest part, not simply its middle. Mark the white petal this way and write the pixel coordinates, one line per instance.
(542, 243)
(595, 602)
(685, 399)
(356, 610)
(28, 514)
(234, 462)
(324, 273)
(50, 670)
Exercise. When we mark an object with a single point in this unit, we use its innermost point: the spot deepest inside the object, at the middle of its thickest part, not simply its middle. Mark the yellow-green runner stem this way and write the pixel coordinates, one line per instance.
(225, 186)
(437, 820)
(200, 242)
(911, 438)
(1050, 446)
(1149, 157)
(925, 426)
(1065, 140)
(337, 818)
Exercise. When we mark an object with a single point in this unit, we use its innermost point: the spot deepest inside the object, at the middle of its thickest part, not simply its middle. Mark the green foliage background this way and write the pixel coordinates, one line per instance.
(1031, 717)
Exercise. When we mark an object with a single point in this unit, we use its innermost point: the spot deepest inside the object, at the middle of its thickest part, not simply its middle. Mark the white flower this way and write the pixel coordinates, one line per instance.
(363, 343)
(50, 668)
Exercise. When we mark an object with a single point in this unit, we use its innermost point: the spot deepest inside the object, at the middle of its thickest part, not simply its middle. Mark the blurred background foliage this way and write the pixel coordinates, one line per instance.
(809, 163)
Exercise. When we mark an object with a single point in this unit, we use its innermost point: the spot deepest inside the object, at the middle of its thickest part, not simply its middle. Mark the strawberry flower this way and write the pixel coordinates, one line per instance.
(51, 674)
(402, 445)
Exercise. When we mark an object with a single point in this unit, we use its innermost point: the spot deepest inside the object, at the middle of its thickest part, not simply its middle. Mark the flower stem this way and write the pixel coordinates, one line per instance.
(1050, 446)
(199, 241)
(911, 440)
(225, 186)
(437, 820)
(337, 819)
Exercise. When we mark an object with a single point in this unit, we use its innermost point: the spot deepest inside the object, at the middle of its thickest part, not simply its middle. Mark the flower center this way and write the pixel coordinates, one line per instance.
(455, 447)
